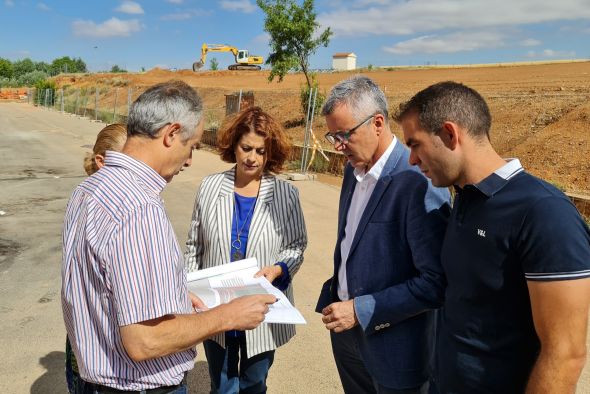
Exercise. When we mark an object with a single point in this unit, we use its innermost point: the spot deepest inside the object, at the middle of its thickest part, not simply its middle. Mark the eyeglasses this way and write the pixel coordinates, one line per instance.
(341, 137)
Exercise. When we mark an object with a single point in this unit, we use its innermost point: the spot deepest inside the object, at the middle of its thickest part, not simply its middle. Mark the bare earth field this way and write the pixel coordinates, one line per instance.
(541, 112)
(541, 115)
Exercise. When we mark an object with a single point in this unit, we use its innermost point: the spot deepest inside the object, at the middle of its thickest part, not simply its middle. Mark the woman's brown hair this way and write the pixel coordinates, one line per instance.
(112, 137)
(254, 119)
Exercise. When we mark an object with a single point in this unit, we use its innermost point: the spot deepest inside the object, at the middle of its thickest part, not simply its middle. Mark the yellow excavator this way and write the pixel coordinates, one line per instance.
(243, 60)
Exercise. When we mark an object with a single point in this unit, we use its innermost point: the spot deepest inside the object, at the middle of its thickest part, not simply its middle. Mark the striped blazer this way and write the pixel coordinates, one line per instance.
(277, 233)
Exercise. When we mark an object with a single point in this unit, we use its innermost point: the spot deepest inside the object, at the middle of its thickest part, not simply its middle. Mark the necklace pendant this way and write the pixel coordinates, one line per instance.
(237, 243)
(237, 255)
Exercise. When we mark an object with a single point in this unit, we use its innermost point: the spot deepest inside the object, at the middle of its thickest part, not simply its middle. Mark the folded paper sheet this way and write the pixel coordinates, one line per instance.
(221, 284)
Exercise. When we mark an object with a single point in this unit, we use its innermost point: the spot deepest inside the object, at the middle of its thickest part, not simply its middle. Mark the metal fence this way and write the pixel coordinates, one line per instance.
(111, 105)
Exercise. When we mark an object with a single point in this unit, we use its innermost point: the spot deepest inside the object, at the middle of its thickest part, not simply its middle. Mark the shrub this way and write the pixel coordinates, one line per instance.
(47, 88)
(31, 78)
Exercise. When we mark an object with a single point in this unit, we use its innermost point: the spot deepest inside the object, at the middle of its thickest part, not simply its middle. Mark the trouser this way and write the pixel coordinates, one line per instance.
(354, 375)
(231, 370)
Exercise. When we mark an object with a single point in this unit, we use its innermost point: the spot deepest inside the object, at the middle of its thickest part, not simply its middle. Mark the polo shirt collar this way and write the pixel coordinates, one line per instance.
(499, 178)
(150, 178)
(377, 169)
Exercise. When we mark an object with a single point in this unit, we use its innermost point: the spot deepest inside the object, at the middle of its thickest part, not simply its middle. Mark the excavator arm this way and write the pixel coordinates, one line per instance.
(205, 48)
(242, 59)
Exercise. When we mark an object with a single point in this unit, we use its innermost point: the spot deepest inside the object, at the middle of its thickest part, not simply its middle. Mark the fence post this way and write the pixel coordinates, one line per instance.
(129, 95)
(115, 105)
(96, 103)
(308, 126)
(62, 100)
(77, 101)
(315, 96)
(304, 148)
(85, 103)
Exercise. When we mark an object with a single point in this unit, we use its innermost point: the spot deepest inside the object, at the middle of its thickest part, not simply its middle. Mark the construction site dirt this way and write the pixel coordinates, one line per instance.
(541, 112)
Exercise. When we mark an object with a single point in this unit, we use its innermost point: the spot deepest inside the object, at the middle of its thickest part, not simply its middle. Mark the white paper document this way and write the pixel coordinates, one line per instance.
(221, 284)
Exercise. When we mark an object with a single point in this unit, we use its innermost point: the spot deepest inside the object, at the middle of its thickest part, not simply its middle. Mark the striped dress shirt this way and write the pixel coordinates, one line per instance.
(277, 233)
(121, 265)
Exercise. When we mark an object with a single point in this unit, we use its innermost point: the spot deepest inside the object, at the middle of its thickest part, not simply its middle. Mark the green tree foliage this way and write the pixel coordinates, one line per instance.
(31, 79)
(117, 69)
(67, 65)
(22, 67)
(45, 92)
(27, 72)
(6, 68)
(42, 66)
(214, 64)
(292, 29)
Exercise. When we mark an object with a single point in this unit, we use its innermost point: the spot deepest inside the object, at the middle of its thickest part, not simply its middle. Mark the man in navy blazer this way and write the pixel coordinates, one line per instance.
(387, 273)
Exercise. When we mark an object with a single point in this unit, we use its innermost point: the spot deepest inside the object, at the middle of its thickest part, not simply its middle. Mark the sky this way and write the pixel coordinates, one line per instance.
(169, 33)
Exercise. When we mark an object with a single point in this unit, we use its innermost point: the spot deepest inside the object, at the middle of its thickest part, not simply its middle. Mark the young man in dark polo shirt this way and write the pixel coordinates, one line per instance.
(516, 255)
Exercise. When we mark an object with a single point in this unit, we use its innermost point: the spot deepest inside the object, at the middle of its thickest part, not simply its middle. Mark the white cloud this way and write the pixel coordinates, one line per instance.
(238, 5)
(551, 54)
(9, 3)
(450, 43)
(130, 7)
(364, 3)
(422, 16)
(263, 38)
(43, 7)
(113, 27)
(530, 42)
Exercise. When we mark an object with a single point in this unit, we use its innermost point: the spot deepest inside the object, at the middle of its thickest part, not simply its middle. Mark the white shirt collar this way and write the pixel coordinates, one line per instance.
(377, 169)
(508, 170)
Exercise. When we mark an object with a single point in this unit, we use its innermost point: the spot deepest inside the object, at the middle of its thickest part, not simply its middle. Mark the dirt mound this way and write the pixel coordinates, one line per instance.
(560, 151)
(540, 111)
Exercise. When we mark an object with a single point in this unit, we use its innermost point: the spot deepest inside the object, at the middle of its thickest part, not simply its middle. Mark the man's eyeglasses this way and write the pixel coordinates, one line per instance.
(342, 137)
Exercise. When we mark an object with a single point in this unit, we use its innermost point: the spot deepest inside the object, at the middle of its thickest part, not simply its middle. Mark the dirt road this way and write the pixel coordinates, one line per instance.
(42, 154)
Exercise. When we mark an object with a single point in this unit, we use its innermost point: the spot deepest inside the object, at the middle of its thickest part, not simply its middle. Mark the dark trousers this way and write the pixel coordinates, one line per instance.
(231, 370)
(354, 376)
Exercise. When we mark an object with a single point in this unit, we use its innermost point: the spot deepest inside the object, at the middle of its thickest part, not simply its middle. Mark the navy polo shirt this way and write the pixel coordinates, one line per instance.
(507, 229)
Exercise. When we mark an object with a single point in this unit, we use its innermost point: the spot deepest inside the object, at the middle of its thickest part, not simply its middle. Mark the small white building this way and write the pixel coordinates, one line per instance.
(344, 61)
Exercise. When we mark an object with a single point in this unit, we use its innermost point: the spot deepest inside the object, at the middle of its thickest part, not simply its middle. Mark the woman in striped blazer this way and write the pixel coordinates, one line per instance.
(248, 212)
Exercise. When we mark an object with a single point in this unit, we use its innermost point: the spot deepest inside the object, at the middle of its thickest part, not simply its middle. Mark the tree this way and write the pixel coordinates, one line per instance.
(42, 66)
(22, 67)
(6, 68)
(214, 64)
(117, 69)
(292, 29)
(67, 65)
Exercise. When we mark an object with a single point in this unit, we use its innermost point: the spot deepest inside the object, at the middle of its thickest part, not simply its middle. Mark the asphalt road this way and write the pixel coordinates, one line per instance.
(41, 155)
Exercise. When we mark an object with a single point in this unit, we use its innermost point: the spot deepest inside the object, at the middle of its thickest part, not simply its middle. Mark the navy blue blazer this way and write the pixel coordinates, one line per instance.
(393, 270)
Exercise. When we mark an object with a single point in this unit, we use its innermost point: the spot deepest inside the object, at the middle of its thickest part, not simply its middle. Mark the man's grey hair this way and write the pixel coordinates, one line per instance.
(449, 102)
(360, 94)
(162, 104)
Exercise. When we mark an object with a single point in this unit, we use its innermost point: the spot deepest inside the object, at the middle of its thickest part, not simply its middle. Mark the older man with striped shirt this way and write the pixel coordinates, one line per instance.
(127, 310)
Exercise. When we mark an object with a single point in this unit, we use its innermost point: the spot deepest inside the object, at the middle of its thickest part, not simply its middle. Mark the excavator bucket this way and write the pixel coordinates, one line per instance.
(198, 65)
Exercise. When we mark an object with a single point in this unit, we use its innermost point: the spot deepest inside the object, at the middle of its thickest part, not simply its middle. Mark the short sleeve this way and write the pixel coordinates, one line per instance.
(554, 243)
(146, 268)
